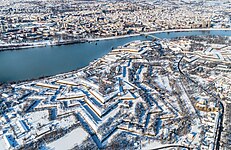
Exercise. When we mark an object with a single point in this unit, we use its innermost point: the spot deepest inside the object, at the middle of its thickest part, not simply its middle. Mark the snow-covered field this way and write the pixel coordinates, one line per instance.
(2, 147)
(73, 138)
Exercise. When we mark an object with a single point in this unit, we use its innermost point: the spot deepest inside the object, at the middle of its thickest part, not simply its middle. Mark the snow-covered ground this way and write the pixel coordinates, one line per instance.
(2, 147)
(151, 145)
(73, 138)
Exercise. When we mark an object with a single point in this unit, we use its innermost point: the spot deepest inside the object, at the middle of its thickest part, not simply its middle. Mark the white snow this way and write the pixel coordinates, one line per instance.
(2, 147)
(166, 83)
(75, 137)
(151, 145)
(185, 97)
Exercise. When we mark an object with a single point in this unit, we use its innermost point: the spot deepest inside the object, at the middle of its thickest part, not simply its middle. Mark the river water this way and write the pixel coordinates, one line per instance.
(45, 61)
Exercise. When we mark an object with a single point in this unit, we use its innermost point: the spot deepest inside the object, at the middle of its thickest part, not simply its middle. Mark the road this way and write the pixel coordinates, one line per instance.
(172, 146)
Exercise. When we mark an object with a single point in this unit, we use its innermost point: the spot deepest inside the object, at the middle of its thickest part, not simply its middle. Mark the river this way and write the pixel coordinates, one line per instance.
(45, 61)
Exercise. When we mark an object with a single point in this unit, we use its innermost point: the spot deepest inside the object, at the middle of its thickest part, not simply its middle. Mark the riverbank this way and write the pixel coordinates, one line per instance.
(156, 32)
(19, 46)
